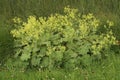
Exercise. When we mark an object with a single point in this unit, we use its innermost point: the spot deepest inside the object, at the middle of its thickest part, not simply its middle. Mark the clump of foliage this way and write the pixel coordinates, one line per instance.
(66, 41)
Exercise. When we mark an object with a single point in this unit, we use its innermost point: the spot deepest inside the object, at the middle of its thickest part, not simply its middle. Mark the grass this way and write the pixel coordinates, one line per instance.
(6, 42)
(24, 8)
(108, 69)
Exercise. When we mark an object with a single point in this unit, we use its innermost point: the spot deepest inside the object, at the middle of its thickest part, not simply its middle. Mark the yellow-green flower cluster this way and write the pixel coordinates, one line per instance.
(88, 25)
(28, 31)
(110, 23)
(103, 42)
(17, 20)
(70, 12)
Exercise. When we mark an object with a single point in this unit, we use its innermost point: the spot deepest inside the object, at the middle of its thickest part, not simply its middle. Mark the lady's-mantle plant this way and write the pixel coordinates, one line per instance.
(60, 40)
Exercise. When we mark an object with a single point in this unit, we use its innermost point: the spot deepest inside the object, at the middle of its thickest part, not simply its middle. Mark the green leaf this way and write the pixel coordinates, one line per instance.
(25, 57)
(57, 56)
(70, 64)
(84, 49)
(35, 49)
(86, 60)
(69, 54)
(18, 51)
(35, 61)
(45, 62)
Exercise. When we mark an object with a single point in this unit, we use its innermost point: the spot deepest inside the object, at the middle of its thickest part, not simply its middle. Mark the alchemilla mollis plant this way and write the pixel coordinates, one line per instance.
(65, 41)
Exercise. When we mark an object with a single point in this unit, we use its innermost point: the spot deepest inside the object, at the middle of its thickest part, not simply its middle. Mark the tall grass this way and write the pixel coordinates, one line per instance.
(6, 44)
(45, 7)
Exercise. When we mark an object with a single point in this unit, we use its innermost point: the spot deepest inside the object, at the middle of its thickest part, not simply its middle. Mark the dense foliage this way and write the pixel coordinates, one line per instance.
(67, 41)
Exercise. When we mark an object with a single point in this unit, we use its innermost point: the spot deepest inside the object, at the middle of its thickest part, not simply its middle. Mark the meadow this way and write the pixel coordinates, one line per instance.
(104, 69)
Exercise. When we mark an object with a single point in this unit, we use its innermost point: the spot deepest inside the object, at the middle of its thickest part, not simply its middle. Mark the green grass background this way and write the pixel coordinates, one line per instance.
(102, 9)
